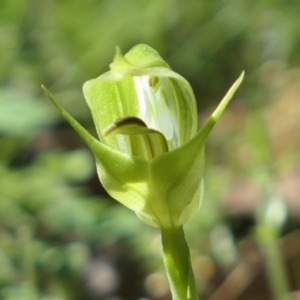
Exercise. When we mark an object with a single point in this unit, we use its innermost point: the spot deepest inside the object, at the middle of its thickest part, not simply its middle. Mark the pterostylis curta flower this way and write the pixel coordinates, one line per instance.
(150, 156)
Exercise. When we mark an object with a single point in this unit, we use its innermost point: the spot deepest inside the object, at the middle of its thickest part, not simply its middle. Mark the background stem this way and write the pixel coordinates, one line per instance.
(277, 277)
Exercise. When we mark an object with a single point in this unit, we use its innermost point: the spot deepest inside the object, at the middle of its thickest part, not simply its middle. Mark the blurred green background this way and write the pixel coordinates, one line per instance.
(61, 236)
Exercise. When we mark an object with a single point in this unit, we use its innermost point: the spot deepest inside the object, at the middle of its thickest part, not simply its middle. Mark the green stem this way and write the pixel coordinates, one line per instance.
(177, 261)
(25, 240)
(268, 240)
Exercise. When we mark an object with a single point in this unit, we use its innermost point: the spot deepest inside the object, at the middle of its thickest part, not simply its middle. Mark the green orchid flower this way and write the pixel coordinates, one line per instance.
(149, 155)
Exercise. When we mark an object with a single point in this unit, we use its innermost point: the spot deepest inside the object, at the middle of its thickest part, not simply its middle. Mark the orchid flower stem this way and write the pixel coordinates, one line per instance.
(177, 261)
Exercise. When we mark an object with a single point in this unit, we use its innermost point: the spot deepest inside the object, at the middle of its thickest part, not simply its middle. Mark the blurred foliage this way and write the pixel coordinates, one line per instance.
(61, 237)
